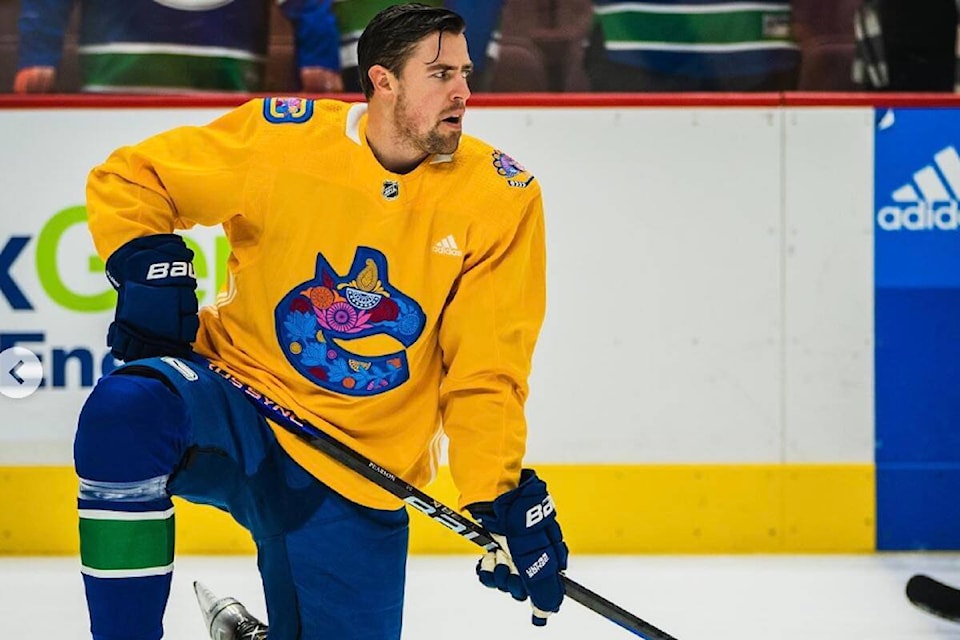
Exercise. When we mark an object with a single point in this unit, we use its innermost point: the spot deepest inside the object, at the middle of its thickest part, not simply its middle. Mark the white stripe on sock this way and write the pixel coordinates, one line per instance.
(104, 514)
(127, 573)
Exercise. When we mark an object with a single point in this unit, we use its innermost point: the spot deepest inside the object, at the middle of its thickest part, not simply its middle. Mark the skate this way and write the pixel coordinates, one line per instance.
(227, 618)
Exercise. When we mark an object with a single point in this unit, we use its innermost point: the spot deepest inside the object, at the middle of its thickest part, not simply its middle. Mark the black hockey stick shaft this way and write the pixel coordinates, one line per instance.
(419, 500)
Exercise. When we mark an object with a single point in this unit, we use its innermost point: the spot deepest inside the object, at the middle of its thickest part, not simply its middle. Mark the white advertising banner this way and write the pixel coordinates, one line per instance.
(673, 237)
(57, 302)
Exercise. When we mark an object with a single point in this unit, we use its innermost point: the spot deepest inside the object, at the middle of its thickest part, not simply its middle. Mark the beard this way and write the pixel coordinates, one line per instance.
(430, 142)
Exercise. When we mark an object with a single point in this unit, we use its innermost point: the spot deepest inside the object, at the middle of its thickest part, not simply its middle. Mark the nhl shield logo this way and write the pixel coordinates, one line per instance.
(391, 189)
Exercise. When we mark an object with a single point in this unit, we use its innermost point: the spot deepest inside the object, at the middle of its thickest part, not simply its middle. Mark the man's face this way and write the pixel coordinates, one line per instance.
(432, 94)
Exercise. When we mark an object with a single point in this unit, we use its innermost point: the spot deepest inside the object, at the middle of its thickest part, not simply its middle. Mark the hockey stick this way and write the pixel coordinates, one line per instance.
(934, 597)
(425, 504)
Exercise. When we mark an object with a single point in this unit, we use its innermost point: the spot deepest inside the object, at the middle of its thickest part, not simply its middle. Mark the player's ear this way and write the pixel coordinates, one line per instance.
(381, 79)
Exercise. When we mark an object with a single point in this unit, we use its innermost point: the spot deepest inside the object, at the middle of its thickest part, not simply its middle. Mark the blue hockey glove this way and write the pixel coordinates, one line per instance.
(532, 554)
(156, 298)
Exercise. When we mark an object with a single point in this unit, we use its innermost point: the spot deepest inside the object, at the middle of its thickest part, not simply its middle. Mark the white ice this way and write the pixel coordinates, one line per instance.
(694, 597)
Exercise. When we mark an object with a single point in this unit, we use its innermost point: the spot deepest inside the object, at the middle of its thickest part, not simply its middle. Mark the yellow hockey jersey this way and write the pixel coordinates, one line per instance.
(385, 309)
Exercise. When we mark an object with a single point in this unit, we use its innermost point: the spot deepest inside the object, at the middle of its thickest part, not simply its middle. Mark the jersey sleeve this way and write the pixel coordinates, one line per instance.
(488, 333)
(184, 177)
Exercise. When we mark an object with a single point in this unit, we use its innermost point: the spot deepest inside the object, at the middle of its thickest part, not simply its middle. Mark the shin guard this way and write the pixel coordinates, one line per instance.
(131, 434)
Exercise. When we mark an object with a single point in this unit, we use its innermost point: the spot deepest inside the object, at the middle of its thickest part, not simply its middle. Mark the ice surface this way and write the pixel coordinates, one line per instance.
(743, 597)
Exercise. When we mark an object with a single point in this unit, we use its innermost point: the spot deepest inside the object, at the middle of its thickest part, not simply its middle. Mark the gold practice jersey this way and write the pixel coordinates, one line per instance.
(377, 306)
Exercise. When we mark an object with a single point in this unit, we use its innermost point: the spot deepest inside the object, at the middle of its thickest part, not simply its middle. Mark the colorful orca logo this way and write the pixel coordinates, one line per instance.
(316, 313)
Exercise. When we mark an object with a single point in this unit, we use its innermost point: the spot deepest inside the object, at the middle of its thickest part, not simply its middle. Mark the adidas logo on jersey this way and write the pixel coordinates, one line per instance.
(930, 201)
(447, 247)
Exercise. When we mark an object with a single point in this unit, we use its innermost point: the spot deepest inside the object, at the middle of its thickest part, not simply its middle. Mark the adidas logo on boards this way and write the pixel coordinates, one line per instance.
(447, 247)
(930, 202)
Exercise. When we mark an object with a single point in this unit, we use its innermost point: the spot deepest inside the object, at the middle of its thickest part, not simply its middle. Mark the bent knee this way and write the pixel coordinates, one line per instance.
(131, 428)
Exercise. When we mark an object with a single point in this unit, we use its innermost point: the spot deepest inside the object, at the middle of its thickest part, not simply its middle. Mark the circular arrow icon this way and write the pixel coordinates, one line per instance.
(20, 372)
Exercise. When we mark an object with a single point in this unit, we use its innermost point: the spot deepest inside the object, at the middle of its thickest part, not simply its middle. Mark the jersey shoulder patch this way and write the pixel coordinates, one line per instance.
(287, 110)
(516, 175)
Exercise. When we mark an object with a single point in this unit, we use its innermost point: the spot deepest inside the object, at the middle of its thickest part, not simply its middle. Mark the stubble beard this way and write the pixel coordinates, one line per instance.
(431, 142)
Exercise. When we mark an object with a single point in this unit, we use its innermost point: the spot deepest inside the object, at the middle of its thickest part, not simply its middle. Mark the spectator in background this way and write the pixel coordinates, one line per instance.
(904, 45)
(825, 34)
(136, 46)
(353, 15)
(483, 19)
(540, 46)
(699, 45)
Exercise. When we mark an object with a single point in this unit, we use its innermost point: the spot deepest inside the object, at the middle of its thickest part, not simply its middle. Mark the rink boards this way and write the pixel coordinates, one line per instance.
(710, 377)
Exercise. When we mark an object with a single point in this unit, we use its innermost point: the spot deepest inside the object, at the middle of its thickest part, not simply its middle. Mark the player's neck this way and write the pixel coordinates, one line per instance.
(395, 160)
(393, 152)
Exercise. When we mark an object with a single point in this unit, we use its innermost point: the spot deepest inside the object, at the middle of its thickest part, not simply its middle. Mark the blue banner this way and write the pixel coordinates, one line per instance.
(917, 327)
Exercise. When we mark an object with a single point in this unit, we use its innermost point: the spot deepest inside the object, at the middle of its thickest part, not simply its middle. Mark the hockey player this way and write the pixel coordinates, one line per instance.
(386, 277)
(152, 46)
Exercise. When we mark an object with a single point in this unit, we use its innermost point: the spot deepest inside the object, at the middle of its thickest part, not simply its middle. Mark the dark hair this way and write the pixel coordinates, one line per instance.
(393, 33)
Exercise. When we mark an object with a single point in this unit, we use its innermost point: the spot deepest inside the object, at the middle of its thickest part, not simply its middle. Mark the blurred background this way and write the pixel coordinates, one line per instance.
(518, 45)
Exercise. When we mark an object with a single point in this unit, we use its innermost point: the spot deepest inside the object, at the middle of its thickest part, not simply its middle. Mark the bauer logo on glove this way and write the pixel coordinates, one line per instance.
(160, 270)
(538, 512)
(156, 298)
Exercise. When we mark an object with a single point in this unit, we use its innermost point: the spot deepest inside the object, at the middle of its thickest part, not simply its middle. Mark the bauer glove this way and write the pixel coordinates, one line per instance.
(532, 552)
(156, 298)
